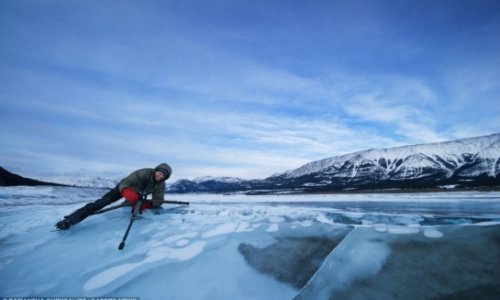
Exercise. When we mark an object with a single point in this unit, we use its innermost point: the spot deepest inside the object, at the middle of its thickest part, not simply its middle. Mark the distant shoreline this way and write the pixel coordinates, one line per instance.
(414, 190)
(349, 192)
(375, 191)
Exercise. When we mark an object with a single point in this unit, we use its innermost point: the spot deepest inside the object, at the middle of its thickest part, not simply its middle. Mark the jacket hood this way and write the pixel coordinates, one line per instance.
(165, 168)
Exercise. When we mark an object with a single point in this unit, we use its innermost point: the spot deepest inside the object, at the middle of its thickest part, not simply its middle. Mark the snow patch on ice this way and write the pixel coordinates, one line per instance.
(306, 223)
(243, 226)
(155, 254)
(380, 227)
(394, 229)
(433, 233)
(174, 238)
(181, 254)
(106, 277)
(273, 228)
(487, 223)
(221, 230)
(323, 219)
(182, 243)
(352, 214)
(276, 219)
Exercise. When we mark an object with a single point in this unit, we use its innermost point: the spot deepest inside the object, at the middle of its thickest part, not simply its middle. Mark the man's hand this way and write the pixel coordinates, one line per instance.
(146, 204)
(131, 197)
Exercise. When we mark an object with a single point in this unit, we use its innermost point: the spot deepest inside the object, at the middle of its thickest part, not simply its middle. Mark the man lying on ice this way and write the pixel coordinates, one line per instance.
(143, 181)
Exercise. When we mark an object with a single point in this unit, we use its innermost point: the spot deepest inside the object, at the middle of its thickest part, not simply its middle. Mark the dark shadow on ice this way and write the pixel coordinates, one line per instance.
(453, 221)
(293, 260)
(462, 264)
(480, 292)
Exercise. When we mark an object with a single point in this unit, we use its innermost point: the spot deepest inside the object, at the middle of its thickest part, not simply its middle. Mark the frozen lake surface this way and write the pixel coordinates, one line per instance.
(359, 246)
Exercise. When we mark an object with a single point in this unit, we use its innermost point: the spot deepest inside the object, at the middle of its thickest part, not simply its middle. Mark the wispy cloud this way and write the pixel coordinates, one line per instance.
(402, 105)
(213, 92)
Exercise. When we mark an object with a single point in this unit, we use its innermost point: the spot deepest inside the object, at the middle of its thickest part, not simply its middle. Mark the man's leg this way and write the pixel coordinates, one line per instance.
(82, 213)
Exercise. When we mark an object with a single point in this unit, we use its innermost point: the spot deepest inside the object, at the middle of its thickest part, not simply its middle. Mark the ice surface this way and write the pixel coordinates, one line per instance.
(253, 247)
(155, 254)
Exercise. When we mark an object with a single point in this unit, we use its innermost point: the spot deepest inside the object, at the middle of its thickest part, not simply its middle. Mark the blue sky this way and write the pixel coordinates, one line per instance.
(238, 88)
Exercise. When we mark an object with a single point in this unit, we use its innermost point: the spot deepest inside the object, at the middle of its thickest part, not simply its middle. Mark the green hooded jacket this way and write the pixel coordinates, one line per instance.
(142, 181)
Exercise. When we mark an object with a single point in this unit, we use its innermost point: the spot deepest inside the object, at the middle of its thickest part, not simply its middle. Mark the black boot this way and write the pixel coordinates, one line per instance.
(64, 224)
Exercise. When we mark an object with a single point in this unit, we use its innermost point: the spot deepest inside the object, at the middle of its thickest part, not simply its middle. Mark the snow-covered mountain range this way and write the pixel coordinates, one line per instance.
(470, 162)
